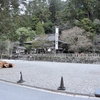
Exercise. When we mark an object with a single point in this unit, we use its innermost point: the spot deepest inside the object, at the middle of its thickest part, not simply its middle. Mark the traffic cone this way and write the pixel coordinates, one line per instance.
(61, 85)
(21, 78)
(97, 93)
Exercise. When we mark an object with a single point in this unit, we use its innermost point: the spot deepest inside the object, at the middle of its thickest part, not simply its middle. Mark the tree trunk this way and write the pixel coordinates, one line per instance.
(90, 15)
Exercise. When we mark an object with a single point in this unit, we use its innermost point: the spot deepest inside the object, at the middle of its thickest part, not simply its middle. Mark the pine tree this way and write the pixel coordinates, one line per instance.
(39, 29)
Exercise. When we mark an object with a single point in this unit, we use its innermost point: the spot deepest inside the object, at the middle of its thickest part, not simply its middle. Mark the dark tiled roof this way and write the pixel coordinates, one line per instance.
(49, 37)
(20, 47)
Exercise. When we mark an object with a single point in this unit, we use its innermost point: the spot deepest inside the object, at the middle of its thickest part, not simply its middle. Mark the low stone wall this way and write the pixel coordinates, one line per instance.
(66, 58)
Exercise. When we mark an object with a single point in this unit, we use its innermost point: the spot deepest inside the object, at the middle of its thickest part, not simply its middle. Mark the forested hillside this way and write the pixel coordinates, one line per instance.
(22, 20)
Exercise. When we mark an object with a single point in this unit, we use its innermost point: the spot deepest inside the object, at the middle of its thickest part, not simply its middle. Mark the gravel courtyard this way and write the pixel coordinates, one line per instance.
(78, 78)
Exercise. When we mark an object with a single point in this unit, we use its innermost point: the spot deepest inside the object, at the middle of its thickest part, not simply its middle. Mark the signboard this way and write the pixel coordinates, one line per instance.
(56, 37)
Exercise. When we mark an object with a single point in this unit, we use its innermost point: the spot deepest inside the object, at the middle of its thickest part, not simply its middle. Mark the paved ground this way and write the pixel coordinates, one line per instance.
(16, 92)
(78, 78)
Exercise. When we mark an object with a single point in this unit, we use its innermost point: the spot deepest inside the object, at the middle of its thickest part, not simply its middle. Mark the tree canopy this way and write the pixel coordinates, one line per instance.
(21, 20)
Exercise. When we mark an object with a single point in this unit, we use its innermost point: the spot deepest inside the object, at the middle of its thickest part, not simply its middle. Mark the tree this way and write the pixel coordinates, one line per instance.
(23, 34)
(48, 27)
(40, 42)
(39, 8)
(3, 47)
(79, 9)
(39, 29)
(88, 26)
(77, 40)
(97, 25)
(34, 20)
(54, 6)
(8, 10)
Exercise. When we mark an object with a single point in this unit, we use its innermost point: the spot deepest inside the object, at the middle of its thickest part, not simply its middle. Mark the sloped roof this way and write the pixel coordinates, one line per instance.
(51, 37)
(20, 47)
(48, 37)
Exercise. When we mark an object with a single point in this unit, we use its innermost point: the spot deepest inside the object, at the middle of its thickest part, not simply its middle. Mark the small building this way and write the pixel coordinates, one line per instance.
(48, 44)
(19, 49)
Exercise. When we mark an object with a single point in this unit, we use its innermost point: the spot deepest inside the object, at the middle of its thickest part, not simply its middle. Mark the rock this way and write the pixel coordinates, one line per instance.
(4, 64)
